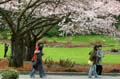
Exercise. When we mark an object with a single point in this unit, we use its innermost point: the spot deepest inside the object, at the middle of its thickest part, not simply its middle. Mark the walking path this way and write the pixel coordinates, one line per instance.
(68, 77)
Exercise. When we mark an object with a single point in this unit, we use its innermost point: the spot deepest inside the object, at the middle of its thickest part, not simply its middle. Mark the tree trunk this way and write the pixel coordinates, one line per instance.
(16, 59)
(30, 50)
(30, 43)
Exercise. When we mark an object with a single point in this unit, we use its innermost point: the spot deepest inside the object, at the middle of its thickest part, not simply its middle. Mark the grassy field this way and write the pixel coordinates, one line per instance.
(80, 54)
(2, 50)
(85, 38)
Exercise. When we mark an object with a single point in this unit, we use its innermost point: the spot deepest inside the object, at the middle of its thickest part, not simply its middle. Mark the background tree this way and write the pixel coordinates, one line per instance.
(91, 17)
(25, 24)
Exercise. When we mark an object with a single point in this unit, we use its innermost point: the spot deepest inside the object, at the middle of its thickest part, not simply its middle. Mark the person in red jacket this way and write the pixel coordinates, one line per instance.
(34, 59)
(34, 55)
(37, 61)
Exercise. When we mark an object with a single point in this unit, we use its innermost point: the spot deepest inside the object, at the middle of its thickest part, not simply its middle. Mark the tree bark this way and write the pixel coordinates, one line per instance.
(17, 52)
(30, 50)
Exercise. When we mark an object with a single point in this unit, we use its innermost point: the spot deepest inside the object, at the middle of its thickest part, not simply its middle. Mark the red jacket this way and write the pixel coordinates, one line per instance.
(35, 56)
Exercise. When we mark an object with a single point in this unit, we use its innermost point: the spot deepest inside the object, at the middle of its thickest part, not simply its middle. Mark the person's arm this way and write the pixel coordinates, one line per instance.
(34, 57)
(99, 54)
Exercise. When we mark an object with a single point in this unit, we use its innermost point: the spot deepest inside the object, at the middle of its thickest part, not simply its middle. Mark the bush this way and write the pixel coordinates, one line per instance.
(62, 62)
(114, 50)
(10, 74)
(98, 41)
(49, 62)
(66, 63)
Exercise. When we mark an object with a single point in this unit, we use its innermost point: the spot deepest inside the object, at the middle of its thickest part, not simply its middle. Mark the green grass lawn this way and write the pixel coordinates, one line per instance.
(80, 54)
(84, 38)
(2, 50)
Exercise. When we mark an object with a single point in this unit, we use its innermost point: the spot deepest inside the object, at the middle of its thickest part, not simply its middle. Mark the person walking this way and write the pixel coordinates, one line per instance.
(37, 61)
(93, 59)
(5, 49)
(99, 66)
(34, 60)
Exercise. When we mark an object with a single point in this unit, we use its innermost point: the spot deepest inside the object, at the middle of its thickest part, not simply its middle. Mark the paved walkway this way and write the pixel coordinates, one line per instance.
(67, 77)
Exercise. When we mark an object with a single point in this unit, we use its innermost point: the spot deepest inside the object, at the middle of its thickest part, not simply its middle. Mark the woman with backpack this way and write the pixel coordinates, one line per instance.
(93, 59)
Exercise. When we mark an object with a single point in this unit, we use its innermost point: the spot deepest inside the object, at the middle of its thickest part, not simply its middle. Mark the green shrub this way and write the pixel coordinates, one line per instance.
(66, 63)
(10, 74)
(62, 62)
(49, 62)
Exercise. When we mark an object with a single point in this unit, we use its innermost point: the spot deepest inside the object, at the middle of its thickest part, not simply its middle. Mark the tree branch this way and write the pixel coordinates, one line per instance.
(37, 33)
(36, 4)
(32, 25)
(8, 19)
(49, 26)
(33, 22)
(44, 31)
(22, 13)
(2, 2)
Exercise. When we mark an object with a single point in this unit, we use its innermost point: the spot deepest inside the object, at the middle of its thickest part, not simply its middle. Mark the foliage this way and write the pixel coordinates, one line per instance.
(10, 74)
(86, 17)
(53, 32)
(62, 62)
(117, 24)
(4, 34)
(66, 63)
(91, 17)
(49, 62)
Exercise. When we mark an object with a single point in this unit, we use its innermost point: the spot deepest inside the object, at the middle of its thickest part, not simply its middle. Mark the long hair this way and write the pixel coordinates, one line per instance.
(95, 47)
(93, 53)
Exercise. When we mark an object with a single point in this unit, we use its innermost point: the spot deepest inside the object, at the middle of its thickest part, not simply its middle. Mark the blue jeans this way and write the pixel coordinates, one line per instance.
(32, 74)
(41, 70)
(39, 66)
(92, 71)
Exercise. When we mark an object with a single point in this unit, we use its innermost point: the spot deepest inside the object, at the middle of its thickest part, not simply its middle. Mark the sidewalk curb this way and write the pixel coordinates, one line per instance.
(71, 73)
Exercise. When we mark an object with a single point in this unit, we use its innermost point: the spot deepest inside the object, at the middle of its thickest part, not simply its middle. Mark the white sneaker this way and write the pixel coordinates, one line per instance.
(100, 76)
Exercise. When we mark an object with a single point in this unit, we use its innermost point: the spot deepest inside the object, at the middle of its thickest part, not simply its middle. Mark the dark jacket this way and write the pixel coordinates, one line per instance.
(93, 56)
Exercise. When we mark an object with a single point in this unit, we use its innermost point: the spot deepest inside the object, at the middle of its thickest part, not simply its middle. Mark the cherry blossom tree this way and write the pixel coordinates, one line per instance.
(94, 16)
(24, 23)
(87, 17)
